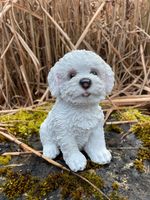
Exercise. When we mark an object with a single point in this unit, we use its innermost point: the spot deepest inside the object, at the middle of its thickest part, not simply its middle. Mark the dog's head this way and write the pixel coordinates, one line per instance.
(81, 77)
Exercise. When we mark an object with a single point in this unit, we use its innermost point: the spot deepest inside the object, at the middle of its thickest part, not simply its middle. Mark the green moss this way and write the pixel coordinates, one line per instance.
(114, 127)
(2, 138)
(4, 160)
(115, 196)
(129, 114)
(144, 154)
(4, 171)
(138, 163)
(42, 188)
(75, 188)
(18, 184)
(115, 185)
(71, 186)
(142, 131)
(24, 122)
(91, 165)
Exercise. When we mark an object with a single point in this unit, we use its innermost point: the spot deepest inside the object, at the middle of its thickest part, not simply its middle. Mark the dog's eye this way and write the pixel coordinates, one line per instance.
(72, 74)
(94, 72)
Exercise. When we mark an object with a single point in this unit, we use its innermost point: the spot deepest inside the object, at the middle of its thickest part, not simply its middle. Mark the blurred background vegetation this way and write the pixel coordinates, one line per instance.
(35, 34)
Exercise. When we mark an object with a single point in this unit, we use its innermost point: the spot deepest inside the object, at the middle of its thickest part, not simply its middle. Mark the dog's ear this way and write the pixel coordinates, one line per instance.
(108, 79)
(54, 82)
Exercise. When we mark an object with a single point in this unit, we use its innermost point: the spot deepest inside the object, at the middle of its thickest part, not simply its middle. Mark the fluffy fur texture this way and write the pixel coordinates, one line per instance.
(76, 121)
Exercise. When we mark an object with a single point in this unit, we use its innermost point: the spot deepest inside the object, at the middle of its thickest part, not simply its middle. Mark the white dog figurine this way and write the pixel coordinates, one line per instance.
(79, 80)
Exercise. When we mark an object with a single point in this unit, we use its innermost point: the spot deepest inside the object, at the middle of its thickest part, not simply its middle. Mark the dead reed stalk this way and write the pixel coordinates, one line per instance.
(35, 34)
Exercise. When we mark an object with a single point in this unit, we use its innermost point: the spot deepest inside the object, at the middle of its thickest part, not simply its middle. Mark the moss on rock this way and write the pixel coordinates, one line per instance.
(115, 196)
(138, 163)
(2, 138)
(114, 127)
(142, 131)
(18, 184)
(24, 184)
(4, 160)
(115, 185)
(24, 122)
(129, 114)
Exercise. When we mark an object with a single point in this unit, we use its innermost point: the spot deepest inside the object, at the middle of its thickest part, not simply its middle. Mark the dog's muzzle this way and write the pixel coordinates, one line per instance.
(85, 83)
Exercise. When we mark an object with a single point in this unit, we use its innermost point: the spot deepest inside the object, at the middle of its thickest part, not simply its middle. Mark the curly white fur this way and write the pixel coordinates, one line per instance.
(76, 121)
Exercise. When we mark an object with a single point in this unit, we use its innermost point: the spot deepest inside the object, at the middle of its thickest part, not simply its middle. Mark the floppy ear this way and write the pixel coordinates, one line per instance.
(109, 79)
(54, 81)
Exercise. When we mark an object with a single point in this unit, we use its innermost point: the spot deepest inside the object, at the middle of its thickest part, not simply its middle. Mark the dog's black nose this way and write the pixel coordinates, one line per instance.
(85, 83)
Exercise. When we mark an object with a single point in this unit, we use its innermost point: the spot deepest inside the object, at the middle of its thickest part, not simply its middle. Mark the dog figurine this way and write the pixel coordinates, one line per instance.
(79, 81)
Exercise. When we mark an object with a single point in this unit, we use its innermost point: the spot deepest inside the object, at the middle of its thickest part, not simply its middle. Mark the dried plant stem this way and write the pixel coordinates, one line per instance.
(144, 68)
(6, 8)
(89, 24)
(35, 34)
(118, 103)
(27, 153)
(114, 106)
(121, 122)
(130, 100)
(143, 31)
(26, 83)
(57, 26)
(29, 149)
(18, 153)
(125, 148)
(12, 111)
(44, 95)
(108, 114)
(7, 47)
(37, 153)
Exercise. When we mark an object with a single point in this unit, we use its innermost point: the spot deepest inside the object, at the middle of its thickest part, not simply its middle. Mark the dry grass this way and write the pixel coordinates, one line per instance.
(34, 34)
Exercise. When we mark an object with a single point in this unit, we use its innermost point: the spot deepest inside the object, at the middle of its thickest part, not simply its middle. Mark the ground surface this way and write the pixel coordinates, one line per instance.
(131, 183)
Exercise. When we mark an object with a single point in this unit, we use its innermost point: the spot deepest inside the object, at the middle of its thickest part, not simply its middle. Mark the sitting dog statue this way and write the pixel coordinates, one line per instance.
(79, 81)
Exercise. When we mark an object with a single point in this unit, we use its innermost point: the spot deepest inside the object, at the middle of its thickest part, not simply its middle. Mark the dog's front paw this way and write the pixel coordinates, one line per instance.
(101, 157)
(50, 151)
(76, 161)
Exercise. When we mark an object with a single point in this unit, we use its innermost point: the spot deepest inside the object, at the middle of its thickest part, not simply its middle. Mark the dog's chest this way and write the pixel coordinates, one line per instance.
(77, 120)
(82, 137)
(85, 120)
(82, 125)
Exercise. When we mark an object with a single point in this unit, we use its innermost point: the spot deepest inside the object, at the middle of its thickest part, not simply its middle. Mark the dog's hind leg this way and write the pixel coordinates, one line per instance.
(50, 149)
